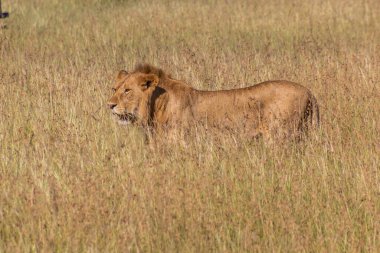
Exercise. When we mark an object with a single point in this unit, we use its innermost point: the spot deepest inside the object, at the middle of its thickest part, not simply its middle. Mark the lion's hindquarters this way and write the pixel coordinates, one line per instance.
(289, 111)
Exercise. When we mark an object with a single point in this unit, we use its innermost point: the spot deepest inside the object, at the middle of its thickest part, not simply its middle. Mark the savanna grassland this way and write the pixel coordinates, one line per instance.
(72, 180)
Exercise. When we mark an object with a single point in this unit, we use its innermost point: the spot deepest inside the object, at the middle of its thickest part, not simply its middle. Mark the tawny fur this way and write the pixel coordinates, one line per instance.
(149, 97)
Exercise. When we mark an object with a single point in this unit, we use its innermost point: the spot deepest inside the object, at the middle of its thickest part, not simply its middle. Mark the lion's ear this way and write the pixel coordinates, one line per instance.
(122, 74)
(151, 81)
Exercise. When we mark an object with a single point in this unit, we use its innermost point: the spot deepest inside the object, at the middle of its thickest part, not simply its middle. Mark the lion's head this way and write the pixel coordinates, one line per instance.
(131, 98)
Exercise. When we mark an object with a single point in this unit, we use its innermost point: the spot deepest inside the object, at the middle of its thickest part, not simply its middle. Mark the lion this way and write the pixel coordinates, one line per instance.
(150, 98)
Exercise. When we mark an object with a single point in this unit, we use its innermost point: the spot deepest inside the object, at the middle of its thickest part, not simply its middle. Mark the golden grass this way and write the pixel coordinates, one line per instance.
(72, 180)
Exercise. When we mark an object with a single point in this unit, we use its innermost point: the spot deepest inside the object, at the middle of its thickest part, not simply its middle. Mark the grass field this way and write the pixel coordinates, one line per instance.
(72, 180)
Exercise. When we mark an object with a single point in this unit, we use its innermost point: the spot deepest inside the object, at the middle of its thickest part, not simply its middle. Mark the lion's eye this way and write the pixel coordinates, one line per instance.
(127, 90)
(113, 89)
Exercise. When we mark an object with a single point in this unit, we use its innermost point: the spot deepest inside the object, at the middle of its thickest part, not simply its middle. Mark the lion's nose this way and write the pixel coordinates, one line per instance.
(111, 106)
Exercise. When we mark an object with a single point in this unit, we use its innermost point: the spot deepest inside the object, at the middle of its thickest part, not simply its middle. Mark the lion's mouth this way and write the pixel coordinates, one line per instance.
(125, 119)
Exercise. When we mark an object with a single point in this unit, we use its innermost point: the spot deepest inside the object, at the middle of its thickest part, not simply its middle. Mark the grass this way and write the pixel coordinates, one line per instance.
(72, 180)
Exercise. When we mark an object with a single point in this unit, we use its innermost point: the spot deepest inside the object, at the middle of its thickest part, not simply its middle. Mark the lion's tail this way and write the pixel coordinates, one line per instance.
(310, 119)
(312, 112)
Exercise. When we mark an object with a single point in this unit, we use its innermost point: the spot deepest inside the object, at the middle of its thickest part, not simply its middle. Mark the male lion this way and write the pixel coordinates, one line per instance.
(150, 98)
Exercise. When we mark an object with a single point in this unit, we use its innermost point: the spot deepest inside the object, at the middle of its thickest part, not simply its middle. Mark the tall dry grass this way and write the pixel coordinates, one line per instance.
(72, 180)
